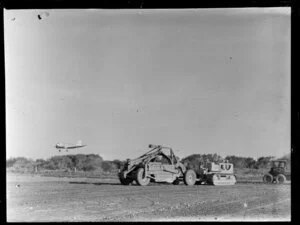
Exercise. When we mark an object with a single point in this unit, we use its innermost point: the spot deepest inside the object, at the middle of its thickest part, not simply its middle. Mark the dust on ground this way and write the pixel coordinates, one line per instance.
(32, 198)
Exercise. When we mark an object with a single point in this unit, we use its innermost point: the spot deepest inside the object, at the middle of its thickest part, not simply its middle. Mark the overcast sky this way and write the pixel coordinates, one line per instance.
(201, 81)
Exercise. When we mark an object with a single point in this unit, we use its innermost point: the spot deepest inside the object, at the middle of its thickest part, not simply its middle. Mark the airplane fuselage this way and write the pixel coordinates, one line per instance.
(65, 147)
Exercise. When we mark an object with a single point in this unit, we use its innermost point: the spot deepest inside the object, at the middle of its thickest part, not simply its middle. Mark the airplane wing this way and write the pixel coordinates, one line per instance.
(76, 146)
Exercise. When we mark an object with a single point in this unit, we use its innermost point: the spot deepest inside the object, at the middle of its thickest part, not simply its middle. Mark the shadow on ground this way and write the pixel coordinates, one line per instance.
(98, 183)
(159, 184)
(106, 183)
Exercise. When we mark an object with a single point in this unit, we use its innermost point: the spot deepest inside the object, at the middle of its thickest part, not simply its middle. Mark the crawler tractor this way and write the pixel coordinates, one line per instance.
(157, 165)
(278, 172)
(216, 174)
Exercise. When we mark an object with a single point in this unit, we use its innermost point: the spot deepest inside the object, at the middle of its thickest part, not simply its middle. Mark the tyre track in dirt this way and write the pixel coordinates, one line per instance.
(262, 211)
(203, 209)
(212, 209)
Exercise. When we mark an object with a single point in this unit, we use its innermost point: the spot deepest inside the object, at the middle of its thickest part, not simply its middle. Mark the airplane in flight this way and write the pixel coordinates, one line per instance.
(66, 147)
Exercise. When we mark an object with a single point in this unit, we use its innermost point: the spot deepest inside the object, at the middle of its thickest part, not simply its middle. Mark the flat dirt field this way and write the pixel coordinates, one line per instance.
(32, 198)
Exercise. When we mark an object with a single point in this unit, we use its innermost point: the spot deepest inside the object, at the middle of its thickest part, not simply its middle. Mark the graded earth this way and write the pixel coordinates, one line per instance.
(33, 198)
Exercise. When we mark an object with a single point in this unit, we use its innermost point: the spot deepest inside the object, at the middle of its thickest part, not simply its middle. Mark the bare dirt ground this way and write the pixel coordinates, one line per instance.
(43, 199)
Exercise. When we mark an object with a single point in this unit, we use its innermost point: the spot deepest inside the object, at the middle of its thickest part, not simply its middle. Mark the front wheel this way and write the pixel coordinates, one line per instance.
(189, 177)
(140, 177)
(123, 180)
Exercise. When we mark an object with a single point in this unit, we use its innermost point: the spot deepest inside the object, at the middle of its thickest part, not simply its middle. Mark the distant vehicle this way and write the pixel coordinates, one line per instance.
(277, 173)
(66, 147)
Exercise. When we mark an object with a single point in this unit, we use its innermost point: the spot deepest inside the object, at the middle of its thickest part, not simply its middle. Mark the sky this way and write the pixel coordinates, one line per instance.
(198, 80)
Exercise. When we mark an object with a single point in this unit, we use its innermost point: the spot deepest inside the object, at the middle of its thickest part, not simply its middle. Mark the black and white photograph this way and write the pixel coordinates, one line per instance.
(148, 114)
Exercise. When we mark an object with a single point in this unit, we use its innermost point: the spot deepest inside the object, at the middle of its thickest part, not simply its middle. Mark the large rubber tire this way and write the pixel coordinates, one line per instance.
(268, 178)
(140, 177)
(189, 178)
(123, 180)
(280, 179)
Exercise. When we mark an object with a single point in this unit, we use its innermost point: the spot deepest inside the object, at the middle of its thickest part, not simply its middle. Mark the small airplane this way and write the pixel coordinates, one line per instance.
(66, 147)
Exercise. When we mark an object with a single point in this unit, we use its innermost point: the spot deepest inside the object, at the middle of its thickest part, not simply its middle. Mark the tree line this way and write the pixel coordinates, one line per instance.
(79, 162)
(193, 161)
(94, 162)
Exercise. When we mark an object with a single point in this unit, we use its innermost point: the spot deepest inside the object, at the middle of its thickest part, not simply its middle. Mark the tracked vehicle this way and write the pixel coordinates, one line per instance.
(157, 165)
(216, 174)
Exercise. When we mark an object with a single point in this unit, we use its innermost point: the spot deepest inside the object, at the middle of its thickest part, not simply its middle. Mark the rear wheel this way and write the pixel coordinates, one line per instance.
(280, 179)
(176, 182)
(268, 178)
(123, 180)
(189, 177)
(140, 177)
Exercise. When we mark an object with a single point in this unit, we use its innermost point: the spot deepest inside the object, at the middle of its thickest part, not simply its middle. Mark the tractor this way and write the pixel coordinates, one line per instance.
(277, 173)
(215, 173)
(157, 165)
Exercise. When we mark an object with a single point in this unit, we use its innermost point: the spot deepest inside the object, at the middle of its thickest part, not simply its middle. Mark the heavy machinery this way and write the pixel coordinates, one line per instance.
(216, 174)
(277, 173)
(157, 165)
